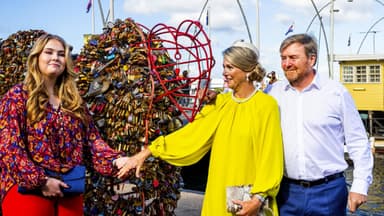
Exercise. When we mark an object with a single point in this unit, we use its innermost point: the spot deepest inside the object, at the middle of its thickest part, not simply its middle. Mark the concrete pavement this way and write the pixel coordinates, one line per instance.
(190, 203)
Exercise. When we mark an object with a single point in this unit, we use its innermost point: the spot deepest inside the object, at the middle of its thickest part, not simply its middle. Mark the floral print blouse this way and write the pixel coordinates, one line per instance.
(55, 143)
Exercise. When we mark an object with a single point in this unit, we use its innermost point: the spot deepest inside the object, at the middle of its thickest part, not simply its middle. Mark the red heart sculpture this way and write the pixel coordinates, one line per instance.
(190, 48)
(130, 78)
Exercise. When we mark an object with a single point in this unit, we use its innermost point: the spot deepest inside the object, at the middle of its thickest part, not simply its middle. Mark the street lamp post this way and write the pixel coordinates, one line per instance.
(314, 17)
(331, 55)
(245, 20)
(325, 36)
(369, 31)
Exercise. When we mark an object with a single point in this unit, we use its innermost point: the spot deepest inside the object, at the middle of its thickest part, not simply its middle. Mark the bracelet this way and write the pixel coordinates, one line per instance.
(260, 197)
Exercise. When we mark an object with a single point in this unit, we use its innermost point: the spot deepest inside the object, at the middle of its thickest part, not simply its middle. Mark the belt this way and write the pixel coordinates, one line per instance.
(307, 184)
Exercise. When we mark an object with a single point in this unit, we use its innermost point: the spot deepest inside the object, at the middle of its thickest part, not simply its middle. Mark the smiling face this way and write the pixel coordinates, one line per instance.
(52, 59)
(297, 66)
(233, 76)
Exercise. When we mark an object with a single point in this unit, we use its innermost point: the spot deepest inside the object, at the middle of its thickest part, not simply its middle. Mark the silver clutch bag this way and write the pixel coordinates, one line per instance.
(242, 193)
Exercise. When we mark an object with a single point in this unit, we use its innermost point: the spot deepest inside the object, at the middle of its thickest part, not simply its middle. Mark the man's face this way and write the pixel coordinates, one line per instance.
(296, 65)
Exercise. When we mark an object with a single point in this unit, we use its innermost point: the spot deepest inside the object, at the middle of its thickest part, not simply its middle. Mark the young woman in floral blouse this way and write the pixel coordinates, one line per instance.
(44, 124)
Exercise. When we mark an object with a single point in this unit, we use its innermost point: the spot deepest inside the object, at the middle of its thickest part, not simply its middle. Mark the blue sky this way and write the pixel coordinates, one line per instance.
(69, 19)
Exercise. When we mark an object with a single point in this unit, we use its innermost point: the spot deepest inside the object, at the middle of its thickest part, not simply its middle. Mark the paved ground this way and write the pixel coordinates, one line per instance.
(375, 204)
(191, 200)
(189, 203)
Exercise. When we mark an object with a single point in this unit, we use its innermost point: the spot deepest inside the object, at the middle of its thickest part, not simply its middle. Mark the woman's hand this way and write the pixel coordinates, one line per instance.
(52, 188)
(135, 161)
(120, 162)
(249, 208)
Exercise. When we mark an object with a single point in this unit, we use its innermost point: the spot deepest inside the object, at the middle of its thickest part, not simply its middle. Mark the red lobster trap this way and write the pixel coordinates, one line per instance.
(131, 78)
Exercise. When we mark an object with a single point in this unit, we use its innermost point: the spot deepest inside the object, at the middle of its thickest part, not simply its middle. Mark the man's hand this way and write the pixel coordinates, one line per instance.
(355, 200)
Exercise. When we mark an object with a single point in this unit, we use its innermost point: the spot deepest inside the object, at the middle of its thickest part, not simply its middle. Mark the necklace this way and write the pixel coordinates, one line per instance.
(242, 100)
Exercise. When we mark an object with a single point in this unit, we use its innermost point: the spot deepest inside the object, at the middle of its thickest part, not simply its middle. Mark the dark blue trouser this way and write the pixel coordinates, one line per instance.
(327, 199)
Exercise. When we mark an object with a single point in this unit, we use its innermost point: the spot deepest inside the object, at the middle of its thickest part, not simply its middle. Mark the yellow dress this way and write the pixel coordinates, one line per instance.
(246, 148)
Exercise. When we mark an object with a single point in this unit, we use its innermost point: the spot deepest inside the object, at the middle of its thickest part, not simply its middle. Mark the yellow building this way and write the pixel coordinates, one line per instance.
(363, 76)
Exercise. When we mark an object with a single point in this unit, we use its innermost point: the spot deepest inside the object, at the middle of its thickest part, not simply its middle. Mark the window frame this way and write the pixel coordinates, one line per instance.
(369, 73)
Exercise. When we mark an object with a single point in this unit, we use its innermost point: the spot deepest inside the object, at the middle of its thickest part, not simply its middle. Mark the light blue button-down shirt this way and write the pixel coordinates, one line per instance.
(316, 123)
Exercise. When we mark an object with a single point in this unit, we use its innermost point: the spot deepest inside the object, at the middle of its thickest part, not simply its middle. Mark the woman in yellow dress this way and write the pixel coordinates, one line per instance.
(242, 129)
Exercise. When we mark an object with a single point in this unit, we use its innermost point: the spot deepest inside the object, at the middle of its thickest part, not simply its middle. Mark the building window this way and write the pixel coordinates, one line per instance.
(374, 74)
(347, 76)
(361, 74)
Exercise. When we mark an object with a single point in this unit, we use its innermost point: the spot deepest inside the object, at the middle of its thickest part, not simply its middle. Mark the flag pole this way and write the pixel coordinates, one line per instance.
(102, 14)
(208, 21)
(112, 10)
(257, 26)
(349, 43)
(93, 17)
(331, 38)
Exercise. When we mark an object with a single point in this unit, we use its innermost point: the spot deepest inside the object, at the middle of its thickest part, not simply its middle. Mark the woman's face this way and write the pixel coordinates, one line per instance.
(233, 76)
(52, 59)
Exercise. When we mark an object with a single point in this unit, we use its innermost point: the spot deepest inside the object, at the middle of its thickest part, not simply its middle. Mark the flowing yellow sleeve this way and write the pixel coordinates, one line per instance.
(189, 144)
(269, 163)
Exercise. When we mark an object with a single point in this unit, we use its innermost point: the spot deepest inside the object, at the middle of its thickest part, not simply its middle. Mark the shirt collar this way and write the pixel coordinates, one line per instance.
(316, 83)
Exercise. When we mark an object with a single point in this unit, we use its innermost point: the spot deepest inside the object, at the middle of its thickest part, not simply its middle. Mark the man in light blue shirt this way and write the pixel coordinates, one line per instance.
(318, 117)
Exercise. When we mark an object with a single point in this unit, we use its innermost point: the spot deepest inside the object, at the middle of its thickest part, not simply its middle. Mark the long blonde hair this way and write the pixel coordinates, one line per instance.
(65, 87)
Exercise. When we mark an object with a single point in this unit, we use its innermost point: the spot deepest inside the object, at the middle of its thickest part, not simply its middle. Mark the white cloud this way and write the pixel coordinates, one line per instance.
(296, 4)
(355, 11)
(225, 15)
(283, 18)
(351, 11)
(161, 6)
(227, 24)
